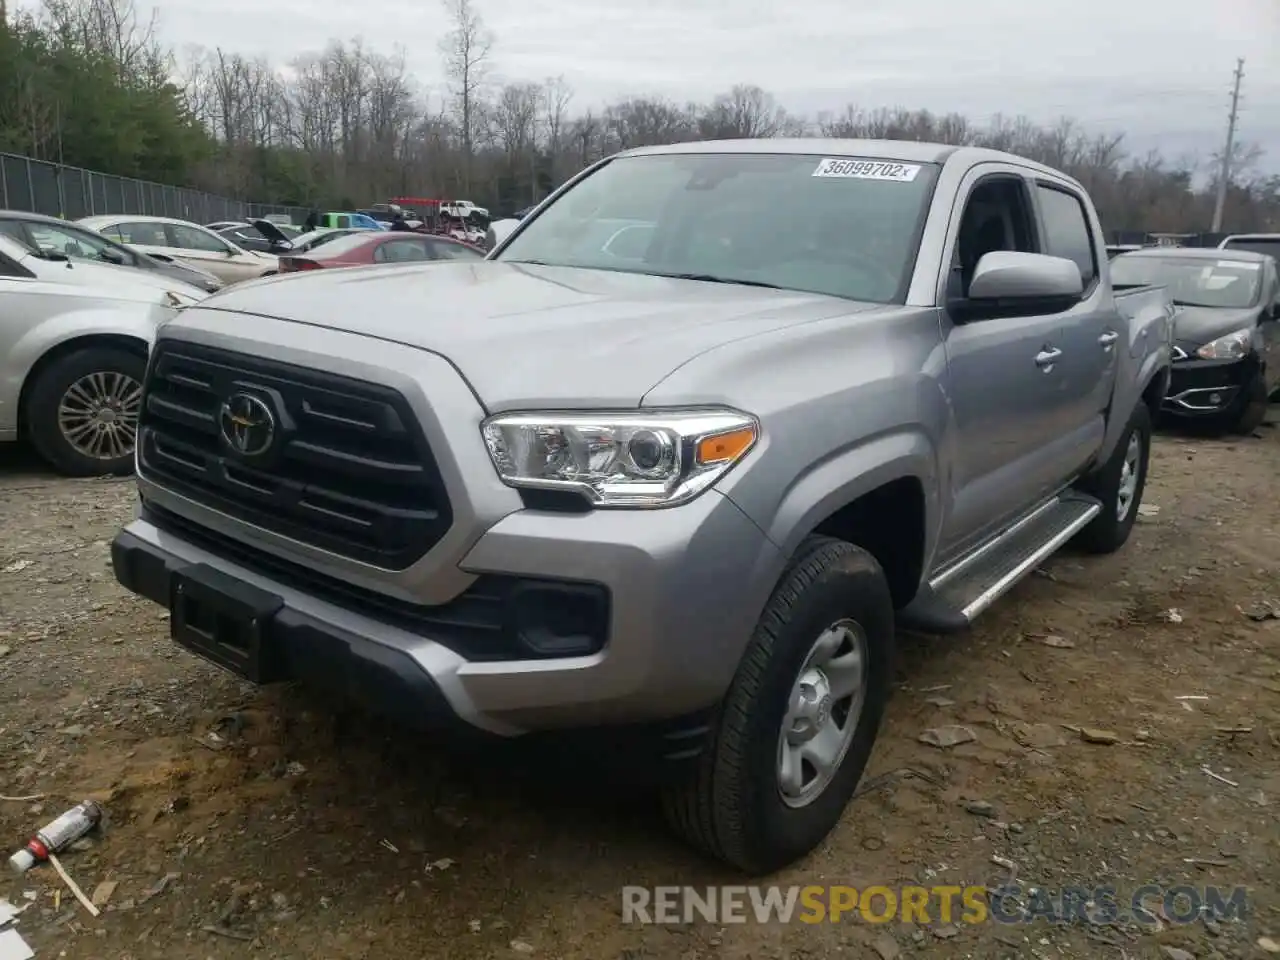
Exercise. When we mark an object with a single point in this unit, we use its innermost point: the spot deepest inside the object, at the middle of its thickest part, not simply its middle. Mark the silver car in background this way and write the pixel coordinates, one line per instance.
(51, 234)
(73, 349)
(167, 238)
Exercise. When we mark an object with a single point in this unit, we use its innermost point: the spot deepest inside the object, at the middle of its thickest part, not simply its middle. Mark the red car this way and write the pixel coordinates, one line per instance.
(360, 249)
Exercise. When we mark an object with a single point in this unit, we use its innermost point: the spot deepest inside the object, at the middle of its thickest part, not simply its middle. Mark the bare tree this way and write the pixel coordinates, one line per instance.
(746, 111)
(641, 122)
(466, 51)
(112, 29)
(347, 123)
(556, 95)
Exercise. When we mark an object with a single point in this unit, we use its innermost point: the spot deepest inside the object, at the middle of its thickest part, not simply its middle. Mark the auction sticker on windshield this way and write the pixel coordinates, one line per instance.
(867, 169)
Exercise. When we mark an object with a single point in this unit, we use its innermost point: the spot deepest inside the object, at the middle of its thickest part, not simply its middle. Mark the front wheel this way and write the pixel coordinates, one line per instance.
(82, 411)
(1119, 485)
(795, 729)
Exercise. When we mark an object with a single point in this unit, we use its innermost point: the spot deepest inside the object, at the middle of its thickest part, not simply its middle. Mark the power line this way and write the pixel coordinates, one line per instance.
(1225, 174)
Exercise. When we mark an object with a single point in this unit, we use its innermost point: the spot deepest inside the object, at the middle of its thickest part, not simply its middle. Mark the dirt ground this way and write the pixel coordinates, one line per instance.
(305, 832)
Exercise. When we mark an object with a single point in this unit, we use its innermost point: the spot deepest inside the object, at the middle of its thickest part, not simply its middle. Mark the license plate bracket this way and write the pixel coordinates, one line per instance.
(223, 620)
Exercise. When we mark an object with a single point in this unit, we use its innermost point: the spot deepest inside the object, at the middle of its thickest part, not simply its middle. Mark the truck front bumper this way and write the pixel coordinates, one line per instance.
(685, 588)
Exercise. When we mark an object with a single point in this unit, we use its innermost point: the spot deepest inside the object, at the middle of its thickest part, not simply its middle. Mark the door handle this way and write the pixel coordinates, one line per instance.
(1045, 359)
(1108, 338)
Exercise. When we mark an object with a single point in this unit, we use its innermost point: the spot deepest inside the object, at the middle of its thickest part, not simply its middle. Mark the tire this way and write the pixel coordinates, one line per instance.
(732, 806)
(1109, 530)
(54, 384)
(1254, 412)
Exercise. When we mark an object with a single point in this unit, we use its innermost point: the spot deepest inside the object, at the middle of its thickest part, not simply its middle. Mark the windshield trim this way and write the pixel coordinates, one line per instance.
(917, 233)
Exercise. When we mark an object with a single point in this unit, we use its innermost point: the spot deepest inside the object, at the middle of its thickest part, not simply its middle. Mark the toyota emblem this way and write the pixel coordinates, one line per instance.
(248, 426)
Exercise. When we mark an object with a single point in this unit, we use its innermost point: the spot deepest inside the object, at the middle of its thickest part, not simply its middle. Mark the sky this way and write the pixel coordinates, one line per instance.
(1158, 70)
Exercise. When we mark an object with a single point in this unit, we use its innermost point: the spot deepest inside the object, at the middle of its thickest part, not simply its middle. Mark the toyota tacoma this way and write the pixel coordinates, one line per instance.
(675, 461)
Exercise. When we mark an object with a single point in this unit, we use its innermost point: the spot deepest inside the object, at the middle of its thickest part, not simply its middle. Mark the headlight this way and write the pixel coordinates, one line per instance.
(641, 459)
(1231, 347)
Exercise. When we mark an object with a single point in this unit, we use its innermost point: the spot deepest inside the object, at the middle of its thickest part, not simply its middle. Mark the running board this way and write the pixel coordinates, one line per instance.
(952, 599)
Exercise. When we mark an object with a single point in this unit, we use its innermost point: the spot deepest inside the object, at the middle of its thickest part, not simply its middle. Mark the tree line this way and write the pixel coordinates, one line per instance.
(87, 82)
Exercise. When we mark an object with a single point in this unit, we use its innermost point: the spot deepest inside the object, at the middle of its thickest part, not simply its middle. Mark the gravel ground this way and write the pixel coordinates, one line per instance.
(304, 831)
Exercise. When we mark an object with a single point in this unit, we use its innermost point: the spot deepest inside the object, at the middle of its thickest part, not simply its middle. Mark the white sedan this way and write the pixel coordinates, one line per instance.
(170, 239)
(74, 338)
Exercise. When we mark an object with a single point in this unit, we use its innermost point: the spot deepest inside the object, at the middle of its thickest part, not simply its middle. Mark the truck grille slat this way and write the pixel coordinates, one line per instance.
(348, 469)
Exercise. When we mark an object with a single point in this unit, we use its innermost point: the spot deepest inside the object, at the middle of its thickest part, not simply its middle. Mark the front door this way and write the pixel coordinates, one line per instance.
(207, 250)
(1004, 375)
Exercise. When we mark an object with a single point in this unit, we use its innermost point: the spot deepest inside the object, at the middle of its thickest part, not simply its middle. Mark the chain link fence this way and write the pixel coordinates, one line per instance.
(58, 190)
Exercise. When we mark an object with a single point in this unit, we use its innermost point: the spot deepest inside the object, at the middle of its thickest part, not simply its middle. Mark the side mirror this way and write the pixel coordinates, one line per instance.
(282, 246)
(1275, 311)
(1008, 283)
(113, 256)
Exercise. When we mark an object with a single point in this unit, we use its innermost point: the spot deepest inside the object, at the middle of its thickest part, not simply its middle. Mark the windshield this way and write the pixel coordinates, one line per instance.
(844, 227)
(46, 239)
(1268, 245)
(1192, 281)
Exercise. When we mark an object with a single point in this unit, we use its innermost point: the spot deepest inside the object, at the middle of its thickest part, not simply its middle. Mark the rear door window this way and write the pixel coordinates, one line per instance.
(140, 234)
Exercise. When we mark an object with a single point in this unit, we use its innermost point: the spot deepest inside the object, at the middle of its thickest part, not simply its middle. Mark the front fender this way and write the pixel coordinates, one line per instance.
(135, 321)
(848, 474)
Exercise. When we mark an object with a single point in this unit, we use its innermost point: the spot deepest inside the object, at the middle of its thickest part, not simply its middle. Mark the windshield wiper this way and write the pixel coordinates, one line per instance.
(712, 278)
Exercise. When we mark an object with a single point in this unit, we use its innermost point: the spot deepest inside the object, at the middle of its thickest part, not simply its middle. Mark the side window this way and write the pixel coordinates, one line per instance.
(399, 251)
(1066, 231)
(143, 234)
(13, 229)
(452, 251)
(189, 238)
(71, 243)
(343, 221)
(251, 241)
(11, 268)
(997, 216)
(113, 233)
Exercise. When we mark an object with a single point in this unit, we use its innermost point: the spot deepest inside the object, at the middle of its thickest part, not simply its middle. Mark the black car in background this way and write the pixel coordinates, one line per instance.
(1226, 355)
(261, 236)
(44, 234)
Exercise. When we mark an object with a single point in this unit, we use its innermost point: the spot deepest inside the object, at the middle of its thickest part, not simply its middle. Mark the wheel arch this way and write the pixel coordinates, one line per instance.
(64, 348)
(882, 495)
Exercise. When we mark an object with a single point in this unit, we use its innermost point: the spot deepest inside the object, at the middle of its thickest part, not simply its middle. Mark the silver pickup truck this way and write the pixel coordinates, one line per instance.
(669, 467)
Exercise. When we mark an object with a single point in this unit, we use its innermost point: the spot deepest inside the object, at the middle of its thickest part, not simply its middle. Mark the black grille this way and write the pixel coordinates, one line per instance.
(349, 471)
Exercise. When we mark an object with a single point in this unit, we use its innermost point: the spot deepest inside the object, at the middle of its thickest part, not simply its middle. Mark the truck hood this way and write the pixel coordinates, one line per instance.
(1198, 325)
(529, 336)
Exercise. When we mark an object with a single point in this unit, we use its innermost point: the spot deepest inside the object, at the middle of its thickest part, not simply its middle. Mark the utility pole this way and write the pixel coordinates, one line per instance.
(1224, 175)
